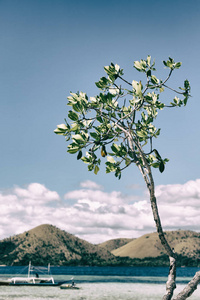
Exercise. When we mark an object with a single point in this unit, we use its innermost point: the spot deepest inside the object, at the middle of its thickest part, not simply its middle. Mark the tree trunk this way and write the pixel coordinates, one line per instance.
(171, 282)
(147, 175)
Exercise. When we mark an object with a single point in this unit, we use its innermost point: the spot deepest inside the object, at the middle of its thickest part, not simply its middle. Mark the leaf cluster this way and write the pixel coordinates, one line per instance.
(117, 124)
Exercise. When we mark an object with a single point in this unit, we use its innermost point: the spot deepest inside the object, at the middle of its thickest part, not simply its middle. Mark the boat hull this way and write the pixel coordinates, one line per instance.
(68, 287)
(4, 282)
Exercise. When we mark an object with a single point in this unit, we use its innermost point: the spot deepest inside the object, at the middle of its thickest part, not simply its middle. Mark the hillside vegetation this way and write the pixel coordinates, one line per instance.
(114, 244)
(186, 243)
(48, 244)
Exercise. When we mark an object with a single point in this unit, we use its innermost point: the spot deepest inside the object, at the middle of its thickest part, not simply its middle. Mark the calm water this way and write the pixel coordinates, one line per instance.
(99, 283)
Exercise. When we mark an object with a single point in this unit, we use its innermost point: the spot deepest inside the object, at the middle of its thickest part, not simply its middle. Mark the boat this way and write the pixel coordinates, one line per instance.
(33, 280)
(66, 286)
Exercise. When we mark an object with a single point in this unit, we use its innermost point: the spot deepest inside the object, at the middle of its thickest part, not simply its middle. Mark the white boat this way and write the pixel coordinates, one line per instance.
(33, 280)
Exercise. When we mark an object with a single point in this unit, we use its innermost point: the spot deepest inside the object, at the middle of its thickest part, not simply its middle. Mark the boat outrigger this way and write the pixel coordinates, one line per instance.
(33, 280)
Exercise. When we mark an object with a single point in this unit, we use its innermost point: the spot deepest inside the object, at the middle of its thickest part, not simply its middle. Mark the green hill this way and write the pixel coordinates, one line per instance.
(114, 244)
(185, 243)
(48, 244)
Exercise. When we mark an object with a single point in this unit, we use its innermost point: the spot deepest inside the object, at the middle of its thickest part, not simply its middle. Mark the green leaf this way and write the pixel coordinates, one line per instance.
(59, 132)
(115, 148)
(161, 166)
(72, 149)
(169, 63)
(103, 83)
(96, 169)
(177, 65)
(137, 87)
(164, 62)
(77, 107)
(86, 160)
(149, 73)
(95, 135)
(62, 127)
(99, 119)
(118, 173)
(74, 127)
(103, 151)
(155, 165)
(72, 116)
(90, 167)
(137, 65)
(162, 89)
(154, 79)
(186, 84)
(142, 134)
(140, 65)
(185, 100)
(157, 133)
(110, 167)
(149, 60)
(157, 154)
(79, 155)
(110, 159)
(80, 139)
(127, 162)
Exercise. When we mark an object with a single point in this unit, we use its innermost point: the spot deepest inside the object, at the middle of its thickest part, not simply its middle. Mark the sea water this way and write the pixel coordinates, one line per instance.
(100, 284)
(92, 291)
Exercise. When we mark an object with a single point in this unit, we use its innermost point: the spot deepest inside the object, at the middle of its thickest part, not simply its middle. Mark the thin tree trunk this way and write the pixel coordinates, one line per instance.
(171, 282)
(147, 175)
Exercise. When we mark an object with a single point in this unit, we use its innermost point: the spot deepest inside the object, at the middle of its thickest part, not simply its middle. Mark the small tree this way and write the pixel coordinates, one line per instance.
(118, 124)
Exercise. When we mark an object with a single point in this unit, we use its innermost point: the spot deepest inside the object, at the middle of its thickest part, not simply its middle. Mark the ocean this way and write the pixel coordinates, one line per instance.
(100, 283)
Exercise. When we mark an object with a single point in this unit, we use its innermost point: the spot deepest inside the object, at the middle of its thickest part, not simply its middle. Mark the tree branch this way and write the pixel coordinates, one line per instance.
(124, 80)
(177, 92)
(190, 288)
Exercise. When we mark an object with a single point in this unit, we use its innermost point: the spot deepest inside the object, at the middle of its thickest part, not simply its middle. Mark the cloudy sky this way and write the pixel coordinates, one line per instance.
(49, 48)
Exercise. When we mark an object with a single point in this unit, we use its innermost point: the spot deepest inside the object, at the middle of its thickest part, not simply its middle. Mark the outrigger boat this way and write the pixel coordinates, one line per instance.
(32, 280)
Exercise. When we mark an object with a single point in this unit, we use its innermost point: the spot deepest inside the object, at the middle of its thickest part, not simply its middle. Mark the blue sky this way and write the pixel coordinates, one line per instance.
(49, 48)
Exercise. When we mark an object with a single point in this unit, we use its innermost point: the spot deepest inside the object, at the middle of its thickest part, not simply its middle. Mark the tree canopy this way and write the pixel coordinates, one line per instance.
(118, 122)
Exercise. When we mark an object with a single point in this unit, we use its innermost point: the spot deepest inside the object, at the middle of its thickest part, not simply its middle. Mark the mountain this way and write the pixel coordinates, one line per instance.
(111, 245)
(48, 244)
(185, 243)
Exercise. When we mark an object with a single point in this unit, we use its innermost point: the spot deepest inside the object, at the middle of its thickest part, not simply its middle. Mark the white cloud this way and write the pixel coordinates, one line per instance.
(115, 198)
(179, 192)
(96, 215)
(38, 192)
(179, 204)
(91, 185)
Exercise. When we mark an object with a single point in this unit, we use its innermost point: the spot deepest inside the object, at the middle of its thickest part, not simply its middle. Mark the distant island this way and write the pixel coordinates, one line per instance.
(48, 244)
